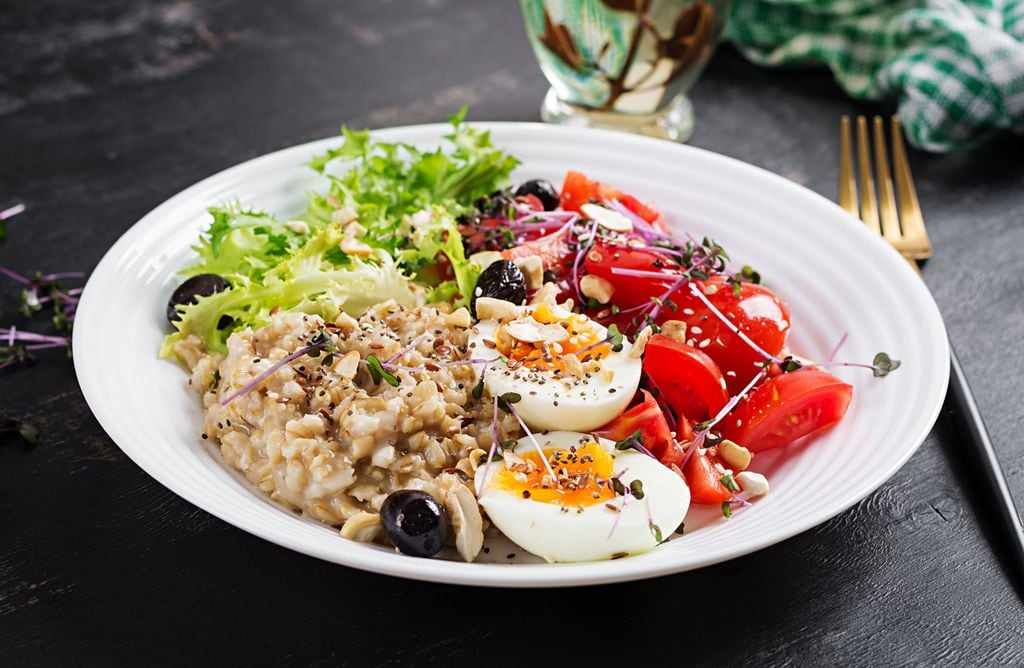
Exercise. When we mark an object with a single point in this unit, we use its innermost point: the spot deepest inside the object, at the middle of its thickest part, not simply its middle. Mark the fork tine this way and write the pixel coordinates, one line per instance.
(886, 199)
(847, 182)
(910, 210)
(868, 211)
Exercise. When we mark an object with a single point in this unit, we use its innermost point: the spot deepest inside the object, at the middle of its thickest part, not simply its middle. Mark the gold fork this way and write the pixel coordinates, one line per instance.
(906, 233)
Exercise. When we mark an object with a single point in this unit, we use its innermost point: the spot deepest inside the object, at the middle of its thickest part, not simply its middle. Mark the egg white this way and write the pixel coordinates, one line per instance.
(551, 402)
(587, 535)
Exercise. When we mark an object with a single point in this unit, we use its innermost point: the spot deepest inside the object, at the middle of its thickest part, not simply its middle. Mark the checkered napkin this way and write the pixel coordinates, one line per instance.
(957, 66)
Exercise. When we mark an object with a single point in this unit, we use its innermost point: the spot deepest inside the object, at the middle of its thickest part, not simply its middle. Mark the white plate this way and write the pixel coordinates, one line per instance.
(836, 276)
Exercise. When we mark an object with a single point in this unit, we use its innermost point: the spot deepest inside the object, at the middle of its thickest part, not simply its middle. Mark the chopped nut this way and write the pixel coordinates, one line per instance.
(485, 258)
(533, 270)
(497, 309)
(297, 226)
(343, 216)
(597, 288)
(573, 366)
(641, 342)
(459, 318)
(734, 455)
(477, 458)
(752, 483)
(710, 288)
(546, 294)
(607, 374)
(354, 246)
(347, 365)
(674, 329)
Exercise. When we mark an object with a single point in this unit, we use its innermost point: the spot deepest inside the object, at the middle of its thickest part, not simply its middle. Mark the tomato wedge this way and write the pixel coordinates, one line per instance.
(689, 380)
(757, 311)
(553, 250)
(704, 478)
(578, 189)
(788, 407)
(630, 291)
(648, 418)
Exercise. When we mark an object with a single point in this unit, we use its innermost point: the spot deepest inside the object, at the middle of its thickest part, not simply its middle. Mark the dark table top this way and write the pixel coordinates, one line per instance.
(107, 108)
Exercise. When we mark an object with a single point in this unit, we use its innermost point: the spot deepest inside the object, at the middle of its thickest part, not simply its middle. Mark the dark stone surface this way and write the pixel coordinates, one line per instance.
(109, 107)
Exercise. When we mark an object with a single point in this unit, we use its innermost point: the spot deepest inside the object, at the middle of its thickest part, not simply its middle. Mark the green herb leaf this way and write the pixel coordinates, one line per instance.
(789, 365)
(508, 445)
(728, 482)
(726, 509)
(656, 532)
(378, 373)
(617, 486)
(884, 365)
(478, 389)
(636, 488)
(615, 337)
(681, 528)
(506, 400)
(634, 441)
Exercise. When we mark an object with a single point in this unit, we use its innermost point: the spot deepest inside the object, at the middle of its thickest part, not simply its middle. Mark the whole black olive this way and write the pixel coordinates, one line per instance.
(542, 190)
(414, 522)
(500, 280)
(189, 292)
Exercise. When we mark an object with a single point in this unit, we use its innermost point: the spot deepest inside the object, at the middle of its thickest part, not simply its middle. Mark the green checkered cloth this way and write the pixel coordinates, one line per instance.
(957, 66)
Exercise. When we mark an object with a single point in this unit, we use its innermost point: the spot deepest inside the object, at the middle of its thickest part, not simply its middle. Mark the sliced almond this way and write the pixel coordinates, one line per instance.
(606, 218)
(546, 295)
(347, 365)
(459, 318)
(525, 329)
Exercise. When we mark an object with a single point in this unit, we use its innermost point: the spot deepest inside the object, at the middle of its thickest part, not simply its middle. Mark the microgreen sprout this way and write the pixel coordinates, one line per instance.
(634, 441)
(9, 212)
(729, 483)
(636, 488)
(726, 509)
(320, 341)
(378, 373)
(25, 431)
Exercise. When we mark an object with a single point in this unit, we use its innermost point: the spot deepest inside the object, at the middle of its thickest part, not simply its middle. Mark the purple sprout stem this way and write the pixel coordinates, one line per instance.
(580, 253)
(12, 211)
(49, 278)
(14, 276)
(618, 515)
(255, 382)
(835, 351)
(728, 323)
(533, 439)
(733, 402)
(420, 339)
(495, 438)
(13, 334)
(663, 404)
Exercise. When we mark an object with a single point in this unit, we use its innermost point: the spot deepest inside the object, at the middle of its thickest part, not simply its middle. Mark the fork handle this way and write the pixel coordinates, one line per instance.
(967, 416)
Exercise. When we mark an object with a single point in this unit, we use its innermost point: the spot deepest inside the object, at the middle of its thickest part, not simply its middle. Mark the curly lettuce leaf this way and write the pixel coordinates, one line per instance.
(436, 239)
(241, 242)
(307, 281)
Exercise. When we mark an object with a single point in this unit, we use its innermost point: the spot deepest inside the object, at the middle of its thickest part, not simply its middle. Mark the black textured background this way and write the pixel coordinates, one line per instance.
(109, 107)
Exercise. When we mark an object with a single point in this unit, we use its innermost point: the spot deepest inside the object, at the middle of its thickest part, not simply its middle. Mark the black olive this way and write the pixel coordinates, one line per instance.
(500, 280)
(202, 285)
(542, 190)
(414, 522)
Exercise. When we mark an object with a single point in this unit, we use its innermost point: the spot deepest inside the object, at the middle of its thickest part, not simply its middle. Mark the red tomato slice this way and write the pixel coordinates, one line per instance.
(648, 418)
(578, 189)
(788, 407)
(553, 250)
(757, 311)
(704, 478)
(630, 291)
(689, 380)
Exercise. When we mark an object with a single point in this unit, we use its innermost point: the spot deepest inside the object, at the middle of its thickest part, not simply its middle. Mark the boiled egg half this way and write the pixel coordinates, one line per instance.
(601, 503)
(569, 377)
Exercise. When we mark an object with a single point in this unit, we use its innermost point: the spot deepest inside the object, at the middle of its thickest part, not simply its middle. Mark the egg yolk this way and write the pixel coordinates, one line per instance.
(583, 473)
(542, 355)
